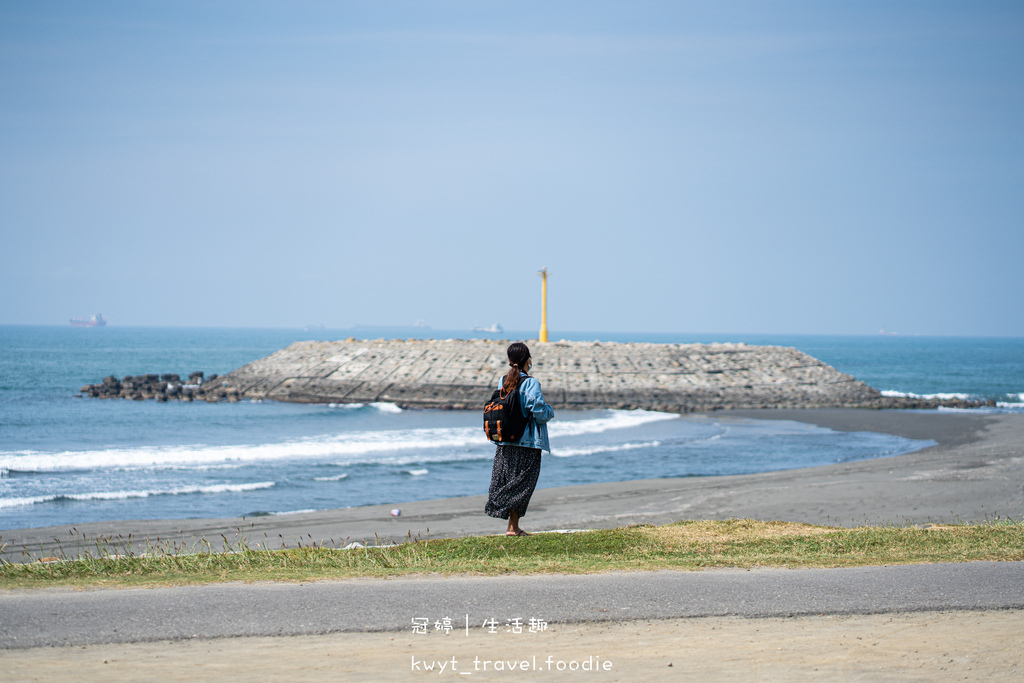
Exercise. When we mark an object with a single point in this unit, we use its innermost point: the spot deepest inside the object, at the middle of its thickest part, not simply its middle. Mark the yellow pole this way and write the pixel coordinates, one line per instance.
(543, 304)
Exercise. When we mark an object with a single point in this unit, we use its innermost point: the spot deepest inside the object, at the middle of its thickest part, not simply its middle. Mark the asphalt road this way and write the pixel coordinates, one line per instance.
(69, 617)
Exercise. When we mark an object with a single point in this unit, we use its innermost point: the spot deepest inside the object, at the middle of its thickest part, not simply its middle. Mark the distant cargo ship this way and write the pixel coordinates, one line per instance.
(493, 329)
(94, 320)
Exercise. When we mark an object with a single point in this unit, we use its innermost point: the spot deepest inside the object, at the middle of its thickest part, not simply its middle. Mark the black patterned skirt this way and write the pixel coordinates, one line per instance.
(513, 478)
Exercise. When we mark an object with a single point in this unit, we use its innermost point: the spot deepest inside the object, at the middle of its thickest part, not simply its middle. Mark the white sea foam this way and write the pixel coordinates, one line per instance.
(382, 407)
(617, 419)
(124, 495)
(292, 512)
(191, 468)
(941, 396)
(337, 477)
(394, 447)
(1012, 405)
(416, 473)
(611, 448)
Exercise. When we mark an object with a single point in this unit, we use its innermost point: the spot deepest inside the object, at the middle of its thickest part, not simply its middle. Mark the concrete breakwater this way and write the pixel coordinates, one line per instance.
(461, 374)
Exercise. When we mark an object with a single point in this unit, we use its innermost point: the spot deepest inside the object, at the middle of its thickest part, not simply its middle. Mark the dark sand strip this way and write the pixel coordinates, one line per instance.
(975, 473)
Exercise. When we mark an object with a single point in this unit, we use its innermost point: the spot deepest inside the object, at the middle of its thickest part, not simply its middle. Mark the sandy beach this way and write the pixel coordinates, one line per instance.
(926, 646)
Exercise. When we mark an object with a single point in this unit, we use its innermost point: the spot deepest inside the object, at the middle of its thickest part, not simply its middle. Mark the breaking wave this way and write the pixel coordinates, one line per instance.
(125, 495)
(618, 419)
(337, 477)
(610, 448)
(941, 396)
(382, 407)
(396, 447)
(1014, 404)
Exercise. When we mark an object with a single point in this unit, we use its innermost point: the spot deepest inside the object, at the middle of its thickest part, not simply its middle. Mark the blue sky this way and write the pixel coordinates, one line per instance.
(783, 167)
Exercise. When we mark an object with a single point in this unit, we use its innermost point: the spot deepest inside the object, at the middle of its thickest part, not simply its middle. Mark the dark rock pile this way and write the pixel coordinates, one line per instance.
(922, 403)
(164, 387)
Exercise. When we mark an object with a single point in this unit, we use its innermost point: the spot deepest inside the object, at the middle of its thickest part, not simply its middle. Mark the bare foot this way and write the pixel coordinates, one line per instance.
(513, 525)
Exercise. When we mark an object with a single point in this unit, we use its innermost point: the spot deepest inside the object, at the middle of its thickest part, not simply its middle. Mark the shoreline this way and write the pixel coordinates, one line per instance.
(973, 474)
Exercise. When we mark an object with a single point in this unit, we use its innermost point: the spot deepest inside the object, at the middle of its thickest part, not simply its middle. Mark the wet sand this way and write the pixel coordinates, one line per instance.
(922, 646)
(975, 473)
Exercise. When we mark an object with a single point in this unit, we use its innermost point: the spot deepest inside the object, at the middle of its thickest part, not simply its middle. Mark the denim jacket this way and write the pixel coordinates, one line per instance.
(539, 412)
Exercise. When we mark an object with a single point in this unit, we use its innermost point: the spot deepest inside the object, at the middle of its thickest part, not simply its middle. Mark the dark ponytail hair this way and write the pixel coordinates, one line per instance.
(518, 354)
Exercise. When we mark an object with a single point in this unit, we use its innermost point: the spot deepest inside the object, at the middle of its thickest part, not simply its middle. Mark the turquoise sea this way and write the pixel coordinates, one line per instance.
(67, 460)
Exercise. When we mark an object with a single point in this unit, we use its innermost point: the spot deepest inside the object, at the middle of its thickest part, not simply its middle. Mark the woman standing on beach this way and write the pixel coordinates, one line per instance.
(517, 463)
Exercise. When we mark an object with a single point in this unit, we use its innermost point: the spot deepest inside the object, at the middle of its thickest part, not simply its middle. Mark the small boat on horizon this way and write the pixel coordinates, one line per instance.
(94, 320)
(494, 329)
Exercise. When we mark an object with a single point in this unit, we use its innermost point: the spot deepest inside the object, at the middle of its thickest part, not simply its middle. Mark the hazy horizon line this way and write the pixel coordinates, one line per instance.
(425, 329)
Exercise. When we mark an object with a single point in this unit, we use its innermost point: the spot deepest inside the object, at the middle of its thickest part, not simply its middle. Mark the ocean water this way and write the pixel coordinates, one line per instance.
(67, 460)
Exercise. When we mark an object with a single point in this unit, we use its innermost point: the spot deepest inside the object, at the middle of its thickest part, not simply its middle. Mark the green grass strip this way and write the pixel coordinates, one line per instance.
(684, 545)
